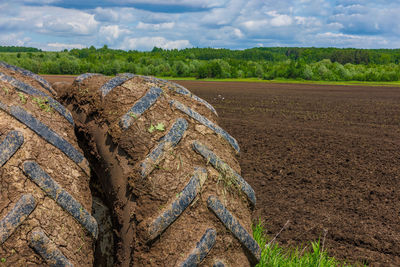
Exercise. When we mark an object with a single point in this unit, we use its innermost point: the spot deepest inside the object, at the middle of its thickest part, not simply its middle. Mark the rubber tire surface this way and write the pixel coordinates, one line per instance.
(45, 201)
(170, 171)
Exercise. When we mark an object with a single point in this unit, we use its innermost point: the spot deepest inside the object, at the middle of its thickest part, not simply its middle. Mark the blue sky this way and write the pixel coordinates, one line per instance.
(235, 24)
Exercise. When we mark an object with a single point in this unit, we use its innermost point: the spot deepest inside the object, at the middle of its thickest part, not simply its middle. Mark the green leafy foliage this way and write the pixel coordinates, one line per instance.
(329, 64)
(18, 49)
(131, 114)
(159, 127)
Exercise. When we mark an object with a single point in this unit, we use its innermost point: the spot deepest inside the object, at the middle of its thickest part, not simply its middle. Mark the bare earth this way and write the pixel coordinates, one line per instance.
(326, 158)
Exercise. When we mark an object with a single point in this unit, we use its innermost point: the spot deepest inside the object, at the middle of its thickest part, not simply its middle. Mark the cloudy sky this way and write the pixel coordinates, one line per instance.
(235, 24)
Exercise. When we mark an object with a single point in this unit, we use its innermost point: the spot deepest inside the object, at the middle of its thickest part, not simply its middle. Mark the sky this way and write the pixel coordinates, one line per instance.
(54, 25)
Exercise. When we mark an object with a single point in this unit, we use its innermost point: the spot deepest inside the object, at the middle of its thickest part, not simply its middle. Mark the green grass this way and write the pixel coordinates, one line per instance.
(42, 103)
(258, 80)
(274, 255)
(294, 81)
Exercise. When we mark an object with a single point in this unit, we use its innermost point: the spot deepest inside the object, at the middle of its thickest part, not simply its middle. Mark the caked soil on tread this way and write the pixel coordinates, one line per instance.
(324, 157)
(327, 158)
(117, 156)
(68, 235)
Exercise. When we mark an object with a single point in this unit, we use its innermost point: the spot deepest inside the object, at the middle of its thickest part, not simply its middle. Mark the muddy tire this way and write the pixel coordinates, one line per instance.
(45, 201)
(169, 170)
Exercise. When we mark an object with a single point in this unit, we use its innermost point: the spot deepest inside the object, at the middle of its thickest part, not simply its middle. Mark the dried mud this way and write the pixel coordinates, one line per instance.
(69, 235)
(116, 157)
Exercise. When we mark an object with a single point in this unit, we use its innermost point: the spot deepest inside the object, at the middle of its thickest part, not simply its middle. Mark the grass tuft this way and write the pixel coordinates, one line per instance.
(22, 98)
(274, 255)
(42, 103)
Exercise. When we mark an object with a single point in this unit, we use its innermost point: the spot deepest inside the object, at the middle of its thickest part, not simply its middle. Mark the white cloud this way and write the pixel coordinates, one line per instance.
(334, 26)
(147, 43)
(193, 3)
(314, 8)
(221, 23)
(238, 33)
(224, 15)
(75, 22)
(50, 20)
(351, 40)
(255, 24)
(275, 20)
(60, 46)
(112, 32)
(13, 39)
(338, 35)
(155, 27)
(106, 14)
(217, 37)
(43, 2)
(368, 19)
(308, 21)
(153, 17)
(279, 20)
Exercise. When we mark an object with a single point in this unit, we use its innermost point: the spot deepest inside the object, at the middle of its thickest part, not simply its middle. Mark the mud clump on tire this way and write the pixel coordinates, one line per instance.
(45, 200)
(169, 171)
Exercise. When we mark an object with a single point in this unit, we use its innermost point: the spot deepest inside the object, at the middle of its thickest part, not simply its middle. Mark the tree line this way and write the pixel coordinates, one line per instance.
(18, 49)
(330, 64)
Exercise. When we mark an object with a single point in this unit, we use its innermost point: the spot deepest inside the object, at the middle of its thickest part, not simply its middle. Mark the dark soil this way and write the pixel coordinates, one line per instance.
(326, 158)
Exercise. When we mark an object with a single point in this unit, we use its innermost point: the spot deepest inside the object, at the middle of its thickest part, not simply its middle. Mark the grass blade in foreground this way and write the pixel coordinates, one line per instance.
(274, 255)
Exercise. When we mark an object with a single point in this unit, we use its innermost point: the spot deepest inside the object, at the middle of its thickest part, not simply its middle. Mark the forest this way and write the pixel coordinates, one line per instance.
(308, 63)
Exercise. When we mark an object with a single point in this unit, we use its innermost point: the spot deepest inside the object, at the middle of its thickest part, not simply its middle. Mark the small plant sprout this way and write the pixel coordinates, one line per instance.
(180, 163)
(79, 248)
(5, 89)
(22, 98)
(227, 176)
(151, 128)
(42, 103)
(159, 127)
(132, 115)
(83, 91)
(82, 243)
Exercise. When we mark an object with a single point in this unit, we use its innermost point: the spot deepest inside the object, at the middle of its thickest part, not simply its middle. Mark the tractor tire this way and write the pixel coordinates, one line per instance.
(45, 200)
(169, 170)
